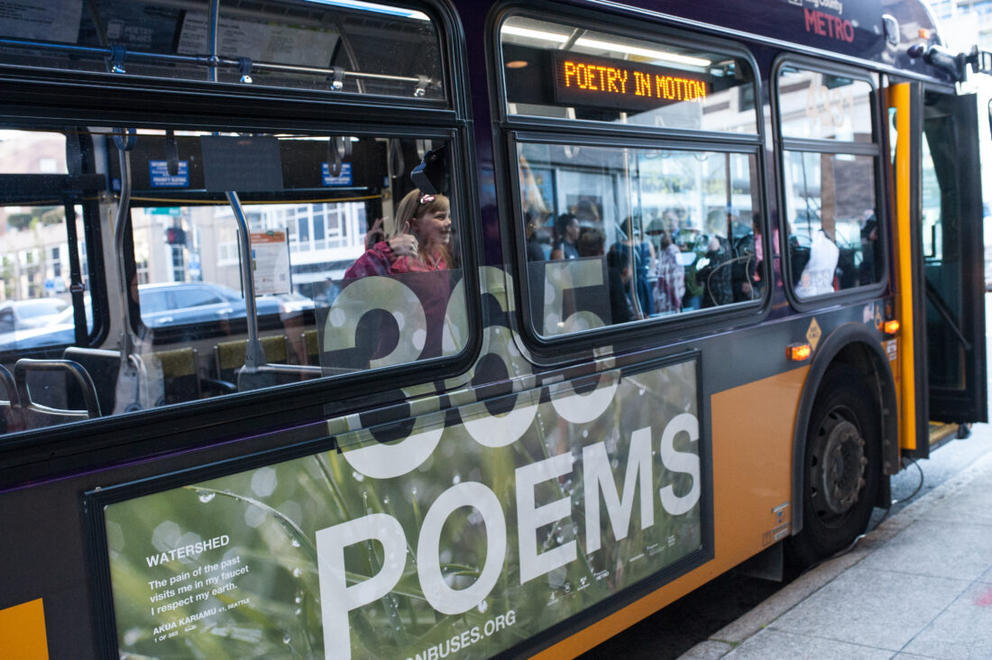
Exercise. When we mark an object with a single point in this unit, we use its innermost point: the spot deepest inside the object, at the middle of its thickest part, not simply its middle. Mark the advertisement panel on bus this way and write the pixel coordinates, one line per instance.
(467, 534)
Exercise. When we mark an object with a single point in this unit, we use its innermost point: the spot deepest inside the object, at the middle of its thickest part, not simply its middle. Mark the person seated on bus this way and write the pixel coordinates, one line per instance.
(418, 239)
(566, 234)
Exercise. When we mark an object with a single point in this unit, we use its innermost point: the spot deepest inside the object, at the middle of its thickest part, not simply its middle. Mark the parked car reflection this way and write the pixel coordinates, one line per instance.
(34, 313)
(57, 329)
(161, 306)
(181, 303)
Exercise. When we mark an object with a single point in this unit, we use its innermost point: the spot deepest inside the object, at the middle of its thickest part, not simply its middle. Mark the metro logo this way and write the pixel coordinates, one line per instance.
(827, 25)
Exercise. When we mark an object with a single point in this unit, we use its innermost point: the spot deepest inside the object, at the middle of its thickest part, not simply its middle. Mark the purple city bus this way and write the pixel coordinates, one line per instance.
(441, 328)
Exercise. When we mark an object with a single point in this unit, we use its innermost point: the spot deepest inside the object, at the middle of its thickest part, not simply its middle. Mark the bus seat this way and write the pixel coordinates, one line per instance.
(103, 366)
(10, 407)
(47, 372)
(180, 374)
(229, 356)
(312, 347)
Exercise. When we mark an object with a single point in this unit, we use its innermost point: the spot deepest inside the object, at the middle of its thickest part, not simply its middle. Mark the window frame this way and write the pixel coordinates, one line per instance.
(88, 266)
(876, 149)
(515, 129)
(183, 108)
(247, 92)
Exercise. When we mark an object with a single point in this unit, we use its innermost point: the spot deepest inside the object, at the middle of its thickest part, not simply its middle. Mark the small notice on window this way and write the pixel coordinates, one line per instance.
(51, 20)
(270, 261)
(159, 177)
(342, 179)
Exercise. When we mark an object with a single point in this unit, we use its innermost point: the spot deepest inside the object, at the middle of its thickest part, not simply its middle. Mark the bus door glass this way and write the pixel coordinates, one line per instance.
(951, 235)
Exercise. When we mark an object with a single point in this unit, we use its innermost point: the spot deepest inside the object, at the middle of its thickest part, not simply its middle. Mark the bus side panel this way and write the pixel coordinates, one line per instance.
(750, 497)
(752, 462)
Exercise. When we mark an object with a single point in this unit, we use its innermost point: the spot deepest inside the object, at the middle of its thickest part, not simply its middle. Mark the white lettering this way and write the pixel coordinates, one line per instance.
(677, 461)
(441, 597)
(599, 478)
(336, 597)
(530, 517)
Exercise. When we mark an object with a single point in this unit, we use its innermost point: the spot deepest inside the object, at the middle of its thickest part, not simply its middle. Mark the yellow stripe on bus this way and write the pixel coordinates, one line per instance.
(899, 98)
(22, 632)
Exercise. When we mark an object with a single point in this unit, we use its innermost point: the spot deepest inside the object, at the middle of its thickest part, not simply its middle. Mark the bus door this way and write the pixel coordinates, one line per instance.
(939, 266)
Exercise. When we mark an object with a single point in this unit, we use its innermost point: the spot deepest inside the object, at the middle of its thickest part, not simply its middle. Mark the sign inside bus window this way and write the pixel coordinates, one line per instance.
(466, 533)
(581, 80)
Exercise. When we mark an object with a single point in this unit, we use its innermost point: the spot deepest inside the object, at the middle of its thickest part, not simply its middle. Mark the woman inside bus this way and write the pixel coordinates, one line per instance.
(418, 239)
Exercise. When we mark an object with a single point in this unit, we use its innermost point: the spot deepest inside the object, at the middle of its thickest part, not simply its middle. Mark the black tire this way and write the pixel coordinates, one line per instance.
(842, 467)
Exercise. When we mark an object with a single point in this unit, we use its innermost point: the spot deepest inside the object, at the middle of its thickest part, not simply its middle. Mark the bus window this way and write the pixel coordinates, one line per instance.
(636, 233)
(313, 205)
(35, 258)
(829, 165)
(824, 106)
(626, 233)
(359, 48)
(568, 72)
(833, 230)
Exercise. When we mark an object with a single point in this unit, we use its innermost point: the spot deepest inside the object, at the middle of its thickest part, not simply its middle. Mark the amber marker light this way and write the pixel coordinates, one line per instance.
(891, 327)
(516, 64)
(798, 352)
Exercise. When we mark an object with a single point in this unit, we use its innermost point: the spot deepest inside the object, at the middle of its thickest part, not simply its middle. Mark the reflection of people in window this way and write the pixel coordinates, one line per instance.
(591, 242)
(818, 275)
(868, 271)
(670, 288)
(619, 275)
(418, 240)
(715, 275)
(535, 250)
(566, 234)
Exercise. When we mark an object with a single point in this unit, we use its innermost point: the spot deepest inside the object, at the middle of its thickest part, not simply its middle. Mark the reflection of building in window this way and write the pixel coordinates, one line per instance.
(227, 254)
(323, 240)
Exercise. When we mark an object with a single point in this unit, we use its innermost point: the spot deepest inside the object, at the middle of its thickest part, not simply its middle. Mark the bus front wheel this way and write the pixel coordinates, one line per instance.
(841, 470)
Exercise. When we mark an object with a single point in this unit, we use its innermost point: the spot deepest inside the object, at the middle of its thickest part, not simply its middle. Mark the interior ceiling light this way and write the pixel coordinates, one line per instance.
(586, 42)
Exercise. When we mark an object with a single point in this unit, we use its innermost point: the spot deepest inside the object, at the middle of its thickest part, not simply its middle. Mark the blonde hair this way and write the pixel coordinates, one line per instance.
(410, 208)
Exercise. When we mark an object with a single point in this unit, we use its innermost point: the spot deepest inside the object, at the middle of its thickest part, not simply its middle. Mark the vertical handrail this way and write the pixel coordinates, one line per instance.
(120, 230)
(254, 353)
(131, 367)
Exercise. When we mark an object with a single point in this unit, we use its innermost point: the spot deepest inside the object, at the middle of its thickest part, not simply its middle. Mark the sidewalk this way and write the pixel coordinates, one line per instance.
(918, 586)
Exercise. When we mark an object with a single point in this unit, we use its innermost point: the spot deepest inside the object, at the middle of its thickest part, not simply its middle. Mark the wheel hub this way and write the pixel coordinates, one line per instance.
(843, 465)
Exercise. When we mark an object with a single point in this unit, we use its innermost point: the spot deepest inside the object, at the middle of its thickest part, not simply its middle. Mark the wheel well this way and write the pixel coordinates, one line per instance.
(878, 376)
(858, 347)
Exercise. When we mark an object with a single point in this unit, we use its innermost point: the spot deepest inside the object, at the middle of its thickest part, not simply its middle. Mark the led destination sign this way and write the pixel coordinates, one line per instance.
(580, 80)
